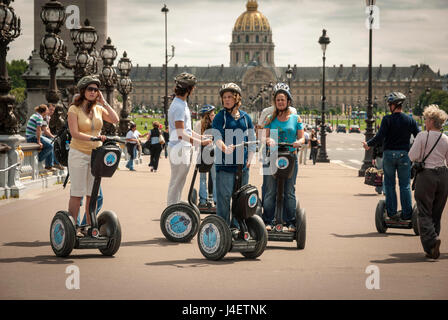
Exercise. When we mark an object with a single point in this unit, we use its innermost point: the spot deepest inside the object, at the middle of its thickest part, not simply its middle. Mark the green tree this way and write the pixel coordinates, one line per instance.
(19, 94)
(15, 70)
(438, 97)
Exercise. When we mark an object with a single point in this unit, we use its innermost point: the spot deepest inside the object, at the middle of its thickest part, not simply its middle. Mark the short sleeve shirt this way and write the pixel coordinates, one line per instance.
(91, 127)
(179, 112)
(132, 135)
(286, 131)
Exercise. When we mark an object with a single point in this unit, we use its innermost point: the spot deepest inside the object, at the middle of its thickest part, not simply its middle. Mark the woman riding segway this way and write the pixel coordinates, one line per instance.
(85, 121)
(235, 227)
(284, 132)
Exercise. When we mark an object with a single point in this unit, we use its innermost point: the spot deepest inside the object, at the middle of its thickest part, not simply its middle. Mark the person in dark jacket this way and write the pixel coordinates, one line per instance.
(396, 130)
(156, 146)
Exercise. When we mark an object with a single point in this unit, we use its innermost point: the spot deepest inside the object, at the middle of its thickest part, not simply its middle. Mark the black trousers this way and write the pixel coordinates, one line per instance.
(156, 149)
(431, 192)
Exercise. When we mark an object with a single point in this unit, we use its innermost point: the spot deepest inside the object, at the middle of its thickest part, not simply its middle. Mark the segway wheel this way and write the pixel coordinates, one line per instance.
(62, 234)
(379, 217)
(214, 238)
(415, 220)
(300, 227)
(110, 227)
(179, 222)
(257, 231)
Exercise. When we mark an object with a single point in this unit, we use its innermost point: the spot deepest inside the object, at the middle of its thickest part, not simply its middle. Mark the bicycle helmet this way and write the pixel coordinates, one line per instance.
(282, 88)
(396, 98)
(206, 109)
(185, 80)
(85, 81)
(230, 87)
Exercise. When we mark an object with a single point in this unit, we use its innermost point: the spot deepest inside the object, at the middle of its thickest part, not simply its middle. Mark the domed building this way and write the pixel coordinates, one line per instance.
(252, 39)
(252, 67)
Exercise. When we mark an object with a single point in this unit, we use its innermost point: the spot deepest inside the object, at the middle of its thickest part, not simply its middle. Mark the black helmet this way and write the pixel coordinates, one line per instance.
(396, 98)
(185, 80)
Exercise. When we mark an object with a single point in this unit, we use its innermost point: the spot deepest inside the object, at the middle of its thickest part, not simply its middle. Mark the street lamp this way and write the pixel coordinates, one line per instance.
(324, 41)
(54, 52)
(289, 76)
(109, 79)
(125, 88)
(165, 10)
(9, 31)
(368, 155)
(410, 99)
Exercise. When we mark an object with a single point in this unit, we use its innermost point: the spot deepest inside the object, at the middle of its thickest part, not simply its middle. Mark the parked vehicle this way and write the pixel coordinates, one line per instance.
(341, 128)
(355, 128)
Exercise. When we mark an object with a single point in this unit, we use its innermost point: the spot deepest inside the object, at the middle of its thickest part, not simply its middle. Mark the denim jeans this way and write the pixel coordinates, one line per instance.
(130, 164)
(224, 189)
(47, 152)
(203, 186)
(289, 198)
(397, 161)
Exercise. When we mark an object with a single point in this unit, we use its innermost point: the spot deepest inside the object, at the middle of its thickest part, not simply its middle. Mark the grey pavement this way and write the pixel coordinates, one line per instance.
(342, 243)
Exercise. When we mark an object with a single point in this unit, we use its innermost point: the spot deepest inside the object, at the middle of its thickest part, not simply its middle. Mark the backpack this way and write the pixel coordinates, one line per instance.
(61, 144)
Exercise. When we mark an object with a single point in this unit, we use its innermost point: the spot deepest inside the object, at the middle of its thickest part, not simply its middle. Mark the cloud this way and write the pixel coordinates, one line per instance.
(411, 31)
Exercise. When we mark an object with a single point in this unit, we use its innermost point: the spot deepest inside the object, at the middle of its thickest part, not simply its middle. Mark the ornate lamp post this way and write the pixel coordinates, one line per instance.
(324, 41)
(369, 121)
(410, 99)
(109, 79)
(52, 48)
(85, 40)
(9, 125)
(125, 88)
(9, 30)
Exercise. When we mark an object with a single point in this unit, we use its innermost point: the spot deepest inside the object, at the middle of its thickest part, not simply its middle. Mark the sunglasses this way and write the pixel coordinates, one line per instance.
(92, 89)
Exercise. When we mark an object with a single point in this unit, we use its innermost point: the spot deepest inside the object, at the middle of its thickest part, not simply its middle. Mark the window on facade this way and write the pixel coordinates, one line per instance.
(237, 56)
(257, 39)
(247, 38)
(266, 39)
(239, 39)
(267, 57)
(247, 57)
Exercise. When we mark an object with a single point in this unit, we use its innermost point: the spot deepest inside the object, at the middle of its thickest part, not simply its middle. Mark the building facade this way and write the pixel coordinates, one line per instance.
(252, 67)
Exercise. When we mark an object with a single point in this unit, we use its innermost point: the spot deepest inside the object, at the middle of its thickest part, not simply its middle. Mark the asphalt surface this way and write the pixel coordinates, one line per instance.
(342, 243)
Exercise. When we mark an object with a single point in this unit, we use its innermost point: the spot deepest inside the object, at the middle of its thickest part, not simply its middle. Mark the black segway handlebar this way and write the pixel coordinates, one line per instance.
(118, 140)
(246, 143)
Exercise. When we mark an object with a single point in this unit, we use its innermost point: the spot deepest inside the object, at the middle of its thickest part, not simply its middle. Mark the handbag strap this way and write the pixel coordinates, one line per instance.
(432, 147)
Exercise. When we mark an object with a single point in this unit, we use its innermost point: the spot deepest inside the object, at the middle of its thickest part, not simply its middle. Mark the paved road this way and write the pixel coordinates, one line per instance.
(341, 244)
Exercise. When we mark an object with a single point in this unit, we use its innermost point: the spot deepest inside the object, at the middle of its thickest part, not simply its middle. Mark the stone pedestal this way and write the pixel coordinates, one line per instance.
(14, 186)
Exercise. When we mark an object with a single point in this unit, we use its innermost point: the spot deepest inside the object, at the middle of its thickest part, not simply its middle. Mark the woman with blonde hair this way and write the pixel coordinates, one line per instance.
(431, 188)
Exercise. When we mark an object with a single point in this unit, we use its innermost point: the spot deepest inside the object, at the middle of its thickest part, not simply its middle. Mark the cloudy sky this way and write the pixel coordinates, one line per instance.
(410, 31)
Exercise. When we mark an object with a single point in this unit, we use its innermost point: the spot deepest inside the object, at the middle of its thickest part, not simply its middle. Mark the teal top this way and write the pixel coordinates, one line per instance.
(285, 131)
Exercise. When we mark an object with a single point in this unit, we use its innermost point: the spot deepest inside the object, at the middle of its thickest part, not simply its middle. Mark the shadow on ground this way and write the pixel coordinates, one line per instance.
(197, 263)
(409, 258)
(372, 235)
(53, 259)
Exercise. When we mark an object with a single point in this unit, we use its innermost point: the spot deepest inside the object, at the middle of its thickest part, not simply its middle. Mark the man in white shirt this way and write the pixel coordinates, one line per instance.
(304, 148)
(132, 142)
(181, 136)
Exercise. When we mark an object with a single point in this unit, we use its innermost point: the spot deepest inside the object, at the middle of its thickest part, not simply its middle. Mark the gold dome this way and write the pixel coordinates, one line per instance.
(252, 19)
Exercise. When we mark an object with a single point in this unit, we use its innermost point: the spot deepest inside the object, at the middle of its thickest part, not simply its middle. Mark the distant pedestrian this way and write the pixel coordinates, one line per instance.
(166, 135)
(314, 145)
(304, 148)
(156, 146)
(431, 188)
(132, 144)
